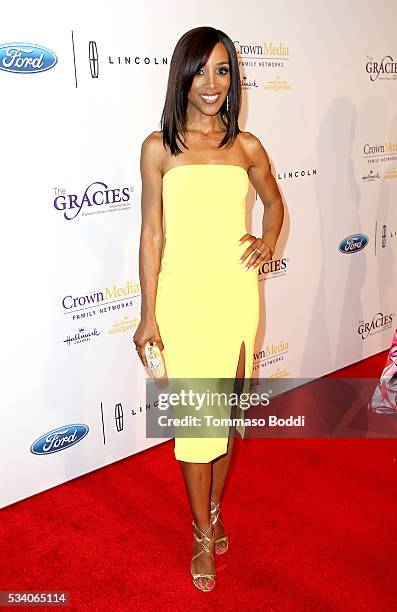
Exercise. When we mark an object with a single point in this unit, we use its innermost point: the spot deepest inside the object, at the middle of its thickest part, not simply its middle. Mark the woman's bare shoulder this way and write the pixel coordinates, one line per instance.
(153, 148)
(253, 147)
(250, 141)
(154, 141)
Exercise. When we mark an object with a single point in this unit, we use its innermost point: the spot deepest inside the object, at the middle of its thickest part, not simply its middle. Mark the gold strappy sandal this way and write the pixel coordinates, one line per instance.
(205, 542)
(215, 512)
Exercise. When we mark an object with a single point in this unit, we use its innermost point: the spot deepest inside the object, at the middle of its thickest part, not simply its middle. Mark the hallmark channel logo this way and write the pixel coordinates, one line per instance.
(124, 325)
(26, 58)
(59, 439)
(248, 84)
(379, 323)
(125, 59)
(277, 84)
(353, 244)
(391, 174)
(371, 176)
(81, 336)
(385, 69)
(97, 198)
(278, 373)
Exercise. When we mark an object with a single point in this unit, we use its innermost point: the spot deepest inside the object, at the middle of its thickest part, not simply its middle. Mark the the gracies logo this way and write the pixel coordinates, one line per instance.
(386, 68)
(379, 322)
(26, 58)
(96, 195)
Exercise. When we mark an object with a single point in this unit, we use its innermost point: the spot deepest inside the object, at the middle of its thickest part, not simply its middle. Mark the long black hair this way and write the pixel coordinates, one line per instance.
(190, 54)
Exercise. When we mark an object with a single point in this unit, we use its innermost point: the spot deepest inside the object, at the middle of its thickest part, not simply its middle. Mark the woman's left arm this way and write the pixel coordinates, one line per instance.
(265, 185)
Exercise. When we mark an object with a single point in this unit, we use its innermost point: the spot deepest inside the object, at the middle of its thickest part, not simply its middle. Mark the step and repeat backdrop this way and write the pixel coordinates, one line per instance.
(82, 85)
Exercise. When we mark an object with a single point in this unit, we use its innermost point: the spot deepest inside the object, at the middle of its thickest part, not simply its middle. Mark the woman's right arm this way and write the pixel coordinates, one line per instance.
(151, 240)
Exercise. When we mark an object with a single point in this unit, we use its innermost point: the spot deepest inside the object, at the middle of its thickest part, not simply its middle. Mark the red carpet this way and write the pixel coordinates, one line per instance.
(311, 526)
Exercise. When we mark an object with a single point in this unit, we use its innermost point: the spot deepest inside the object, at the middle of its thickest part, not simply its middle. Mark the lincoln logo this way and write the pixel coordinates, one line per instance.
(93, 56)
(119, 416)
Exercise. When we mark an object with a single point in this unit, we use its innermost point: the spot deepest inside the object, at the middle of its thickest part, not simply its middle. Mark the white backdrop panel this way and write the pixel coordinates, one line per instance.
(67, 134)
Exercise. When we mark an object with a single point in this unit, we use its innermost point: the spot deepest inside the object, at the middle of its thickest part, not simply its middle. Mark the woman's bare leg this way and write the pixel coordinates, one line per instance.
(221, 464)
(220, 470)
(205, 481)
(198, 479)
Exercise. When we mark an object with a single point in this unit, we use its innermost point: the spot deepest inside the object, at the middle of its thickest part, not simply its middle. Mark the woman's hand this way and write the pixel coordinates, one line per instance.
(259, 250)
(147, 331)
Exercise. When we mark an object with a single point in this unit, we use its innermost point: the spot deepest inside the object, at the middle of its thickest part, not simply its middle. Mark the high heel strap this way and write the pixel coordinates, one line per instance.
(215, 512)
(214, 517)
(205, 541)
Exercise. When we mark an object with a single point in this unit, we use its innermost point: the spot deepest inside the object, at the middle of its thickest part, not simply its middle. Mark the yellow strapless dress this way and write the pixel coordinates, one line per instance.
(206, 304)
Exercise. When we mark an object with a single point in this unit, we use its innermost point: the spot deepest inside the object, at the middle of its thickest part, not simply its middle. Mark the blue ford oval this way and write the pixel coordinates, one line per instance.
(353, 243)
(59, 439)
(26, 58)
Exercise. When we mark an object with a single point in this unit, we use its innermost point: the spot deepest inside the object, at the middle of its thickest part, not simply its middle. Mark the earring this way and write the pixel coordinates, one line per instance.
(227, 103)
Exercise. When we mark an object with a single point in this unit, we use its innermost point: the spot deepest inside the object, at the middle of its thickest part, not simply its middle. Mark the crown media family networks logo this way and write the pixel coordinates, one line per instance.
(254, 56)
(380, 155)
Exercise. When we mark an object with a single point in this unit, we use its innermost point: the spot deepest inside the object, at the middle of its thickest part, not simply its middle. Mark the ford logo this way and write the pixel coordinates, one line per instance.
(59, 439)
(26, 57)
(353, 243)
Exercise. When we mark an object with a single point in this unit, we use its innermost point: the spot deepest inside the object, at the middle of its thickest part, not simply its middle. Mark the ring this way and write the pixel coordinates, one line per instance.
(258, 251)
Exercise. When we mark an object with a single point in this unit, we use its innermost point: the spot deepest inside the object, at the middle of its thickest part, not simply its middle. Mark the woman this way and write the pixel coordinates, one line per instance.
(198, 264)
